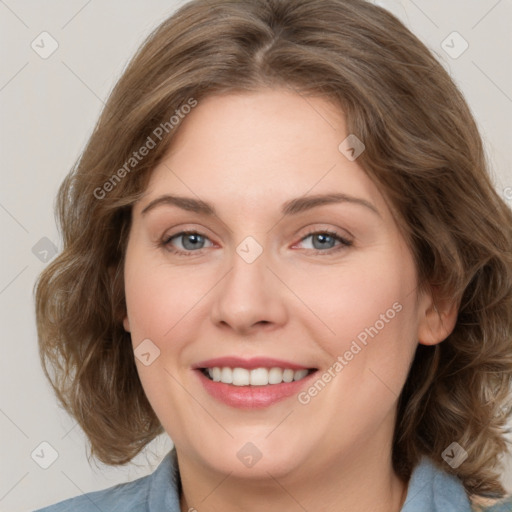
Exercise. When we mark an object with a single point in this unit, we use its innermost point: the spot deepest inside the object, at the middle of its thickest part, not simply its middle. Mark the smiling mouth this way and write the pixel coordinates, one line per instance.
(254, 377)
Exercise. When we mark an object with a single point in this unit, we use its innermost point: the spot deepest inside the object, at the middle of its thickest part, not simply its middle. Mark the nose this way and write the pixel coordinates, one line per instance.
(250, 297)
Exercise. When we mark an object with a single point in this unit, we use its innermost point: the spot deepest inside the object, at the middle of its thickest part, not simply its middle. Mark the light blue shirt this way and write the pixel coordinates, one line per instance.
(430, 490)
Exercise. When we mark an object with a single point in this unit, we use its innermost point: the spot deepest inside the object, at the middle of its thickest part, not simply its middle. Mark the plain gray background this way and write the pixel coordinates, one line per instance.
(49, 107)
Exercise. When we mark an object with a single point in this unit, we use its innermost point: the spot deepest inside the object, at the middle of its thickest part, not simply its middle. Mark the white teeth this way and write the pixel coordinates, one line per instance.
(288, 375)
(299, 374)
(255, 377)
(275, 376)
(259, 377)
(241, 377)
(226, 375)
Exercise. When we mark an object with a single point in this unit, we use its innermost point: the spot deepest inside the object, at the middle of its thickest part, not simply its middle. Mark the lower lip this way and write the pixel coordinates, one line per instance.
(252, 397)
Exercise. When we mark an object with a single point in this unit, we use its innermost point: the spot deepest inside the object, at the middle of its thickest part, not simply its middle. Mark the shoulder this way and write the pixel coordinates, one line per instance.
(121, 497)
(503, 505)
(433, 490)
(151, 493)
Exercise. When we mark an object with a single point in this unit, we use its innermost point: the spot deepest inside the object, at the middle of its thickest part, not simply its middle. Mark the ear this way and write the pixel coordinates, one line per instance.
(126, 324)
(120, 311)
(437, 318)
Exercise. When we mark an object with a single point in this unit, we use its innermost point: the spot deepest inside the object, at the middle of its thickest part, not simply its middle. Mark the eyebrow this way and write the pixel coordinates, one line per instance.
(291, 207)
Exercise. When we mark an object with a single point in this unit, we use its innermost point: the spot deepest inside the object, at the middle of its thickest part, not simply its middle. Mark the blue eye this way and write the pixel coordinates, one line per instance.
(191, 242)
(326, 241)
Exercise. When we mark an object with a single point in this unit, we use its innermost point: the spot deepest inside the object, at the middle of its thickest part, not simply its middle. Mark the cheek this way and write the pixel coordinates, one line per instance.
(368, 319)
(159, 301)
(354, 297)
(158, 296)
(368, 311)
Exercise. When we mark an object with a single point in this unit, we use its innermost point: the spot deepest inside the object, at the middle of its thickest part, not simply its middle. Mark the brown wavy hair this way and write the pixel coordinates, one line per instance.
(424, 151)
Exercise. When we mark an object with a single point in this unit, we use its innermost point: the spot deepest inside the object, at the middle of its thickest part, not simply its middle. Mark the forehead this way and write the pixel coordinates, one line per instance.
(260, 149)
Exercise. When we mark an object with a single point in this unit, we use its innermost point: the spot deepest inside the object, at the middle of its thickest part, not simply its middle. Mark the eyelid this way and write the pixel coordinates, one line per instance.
(320, 227)
(183, 232)
(335, 233)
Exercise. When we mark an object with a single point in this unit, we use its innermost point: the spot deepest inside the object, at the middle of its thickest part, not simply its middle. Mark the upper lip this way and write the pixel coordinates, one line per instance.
(249, 364)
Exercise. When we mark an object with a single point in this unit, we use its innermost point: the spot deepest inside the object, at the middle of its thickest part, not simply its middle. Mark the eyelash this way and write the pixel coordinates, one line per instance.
(165, 243)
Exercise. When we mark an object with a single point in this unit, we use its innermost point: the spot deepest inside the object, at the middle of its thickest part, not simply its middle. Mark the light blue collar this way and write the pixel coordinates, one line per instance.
(433, 490)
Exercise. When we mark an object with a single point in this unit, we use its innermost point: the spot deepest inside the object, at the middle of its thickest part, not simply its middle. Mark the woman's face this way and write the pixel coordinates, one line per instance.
(301, 265)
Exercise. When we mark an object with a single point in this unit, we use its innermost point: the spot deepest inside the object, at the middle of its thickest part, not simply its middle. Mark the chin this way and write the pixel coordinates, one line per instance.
(258, 458)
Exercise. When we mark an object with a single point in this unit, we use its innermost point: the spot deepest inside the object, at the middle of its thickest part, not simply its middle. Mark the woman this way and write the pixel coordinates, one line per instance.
(283, 249)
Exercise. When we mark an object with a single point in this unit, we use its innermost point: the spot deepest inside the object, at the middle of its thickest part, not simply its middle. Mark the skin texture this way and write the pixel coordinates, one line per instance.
(301, 301)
